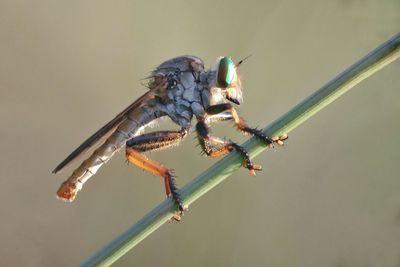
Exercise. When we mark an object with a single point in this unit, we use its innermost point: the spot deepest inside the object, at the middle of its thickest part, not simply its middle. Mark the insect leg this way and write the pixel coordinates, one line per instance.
(225, 146)
(154, 141)
(242, 125)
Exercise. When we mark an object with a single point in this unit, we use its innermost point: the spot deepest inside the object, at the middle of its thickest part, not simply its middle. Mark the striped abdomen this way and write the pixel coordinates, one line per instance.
(133, 121)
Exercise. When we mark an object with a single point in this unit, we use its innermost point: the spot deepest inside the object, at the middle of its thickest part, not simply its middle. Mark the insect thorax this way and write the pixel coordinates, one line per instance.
(188, 97)
(190, 88)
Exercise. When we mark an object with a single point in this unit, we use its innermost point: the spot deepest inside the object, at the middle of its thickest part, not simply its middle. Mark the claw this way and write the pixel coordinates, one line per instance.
(257, 167)
(283, 137)
(177, 216)
(278, 140)
(254, 168)
(275, 138)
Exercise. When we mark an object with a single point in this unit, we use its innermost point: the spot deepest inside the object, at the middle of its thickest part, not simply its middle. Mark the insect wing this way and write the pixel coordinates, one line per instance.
(109, 128)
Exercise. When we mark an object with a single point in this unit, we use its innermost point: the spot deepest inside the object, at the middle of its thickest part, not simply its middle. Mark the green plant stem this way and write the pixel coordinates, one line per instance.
(371, 63)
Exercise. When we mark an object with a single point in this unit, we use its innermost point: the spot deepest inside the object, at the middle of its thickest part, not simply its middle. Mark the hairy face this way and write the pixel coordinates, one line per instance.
(227, 79)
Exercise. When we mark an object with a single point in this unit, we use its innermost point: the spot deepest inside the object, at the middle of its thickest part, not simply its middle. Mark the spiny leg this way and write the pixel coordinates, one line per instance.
(153, 141)
(242, 125)
(224, 147)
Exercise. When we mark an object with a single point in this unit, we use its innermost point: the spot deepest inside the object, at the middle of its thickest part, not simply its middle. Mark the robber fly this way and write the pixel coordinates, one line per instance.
(179, 88)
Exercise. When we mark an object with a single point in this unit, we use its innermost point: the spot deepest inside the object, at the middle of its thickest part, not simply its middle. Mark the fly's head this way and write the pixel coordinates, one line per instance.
(227, 79)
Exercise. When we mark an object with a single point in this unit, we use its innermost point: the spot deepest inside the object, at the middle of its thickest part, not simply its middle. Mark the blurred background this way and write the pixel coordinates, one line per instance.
(328, 198)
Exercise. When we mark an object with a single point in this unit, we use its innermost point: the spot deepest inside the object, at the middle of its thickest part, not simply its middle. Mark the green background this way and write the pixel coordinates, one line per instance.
(328, 198)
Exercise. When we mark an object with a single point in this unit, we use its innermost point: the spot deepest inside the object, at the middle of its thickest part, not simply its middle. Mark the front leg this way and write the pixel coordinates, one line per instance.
(242, 125)
(154, 141)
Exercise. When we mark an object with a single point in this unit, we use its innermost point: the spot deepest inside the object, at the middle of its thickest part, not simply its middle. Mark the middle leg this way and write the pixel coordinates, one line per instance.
(205, 139)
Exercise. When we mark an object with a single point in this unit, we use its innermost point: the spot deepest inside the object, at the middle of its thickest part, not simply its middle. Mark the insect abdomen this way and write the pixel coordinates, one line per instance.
(135, 120)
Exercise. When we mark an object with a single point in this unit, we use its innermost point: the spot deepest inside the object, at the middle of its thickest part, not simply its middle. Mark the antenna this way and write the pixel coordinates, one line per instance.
(242, 60)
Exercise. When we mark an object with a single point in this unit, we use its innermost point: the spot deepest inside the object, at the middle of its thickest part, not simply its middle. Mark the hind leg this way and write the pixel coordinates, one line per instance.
(153, 141)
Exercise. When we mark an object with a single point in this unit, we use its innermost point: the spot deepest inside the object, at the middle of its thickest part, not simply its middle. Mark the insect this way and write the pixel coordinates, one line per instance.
(180, 88)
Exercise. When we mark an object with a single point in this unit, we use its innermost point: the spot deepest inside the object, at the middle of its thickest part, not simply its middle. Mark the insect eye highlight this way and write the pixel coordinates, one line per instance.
(226, 72)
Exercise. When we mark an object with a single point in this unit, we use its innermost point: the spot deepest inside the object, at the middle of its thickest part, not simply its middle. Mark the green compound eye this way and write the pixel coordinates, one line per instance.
(226, 72)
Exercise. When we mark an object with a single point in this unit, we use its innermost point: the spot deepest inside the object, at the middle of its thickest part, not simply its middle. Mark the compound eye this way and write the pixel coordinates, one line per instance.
(226, 72)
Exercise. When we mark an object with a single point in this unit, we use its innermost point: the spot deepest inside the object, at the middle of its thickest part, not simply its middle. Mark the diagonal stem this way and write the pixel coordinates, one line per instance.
(371, 63)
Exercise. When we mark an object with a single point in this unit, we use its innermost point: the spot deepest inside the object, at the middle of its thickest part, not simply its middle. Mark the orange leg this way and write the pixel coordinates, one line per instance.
(152, 141)
(149, 165)
(224, 147)
(242, 125)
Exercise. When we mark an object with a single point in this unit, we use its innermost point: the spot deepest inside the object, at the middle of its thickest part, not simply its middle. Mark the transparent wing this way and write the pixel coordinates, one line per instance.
(109, 128)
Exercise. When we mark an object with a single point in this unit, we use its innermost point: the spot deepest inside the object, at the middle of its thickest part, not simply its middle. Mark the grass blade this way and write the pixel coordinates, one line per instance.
(371, 63)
